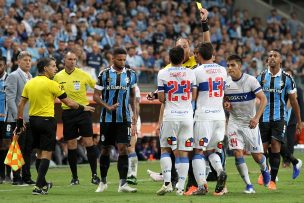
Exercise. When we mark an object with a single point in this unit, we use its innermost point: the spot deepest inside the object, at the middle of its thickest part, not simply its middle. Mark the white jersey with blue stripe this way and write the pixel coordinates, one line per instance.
(210, 79)
(241, 95)
(177, 84)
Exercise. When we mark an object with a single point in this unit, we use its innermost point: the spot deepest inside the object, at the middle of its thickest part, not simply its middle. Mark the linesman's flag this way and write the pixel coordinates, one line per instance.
(14, 156)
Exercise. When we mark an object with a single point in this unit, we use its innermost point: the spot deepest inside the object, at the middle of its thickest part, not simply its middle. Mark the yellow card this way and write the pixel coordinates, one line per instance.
(199, 5)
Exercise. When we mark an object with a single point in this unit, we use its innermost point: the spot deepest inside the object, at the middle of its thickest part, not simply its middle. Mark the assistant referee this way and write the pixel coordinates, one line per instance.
(41, 93)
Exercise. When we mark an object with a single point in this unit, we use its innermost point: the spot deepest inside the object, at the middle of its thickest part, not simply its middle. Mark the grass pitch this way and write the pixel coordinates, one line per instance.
(288, 190)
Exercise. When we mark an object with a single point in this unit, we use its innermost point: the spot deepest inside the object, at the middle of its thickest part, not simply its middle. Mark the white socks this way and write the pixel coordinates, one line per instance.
(243, 169)
(133, 163)
(166, 165)
(199, 169)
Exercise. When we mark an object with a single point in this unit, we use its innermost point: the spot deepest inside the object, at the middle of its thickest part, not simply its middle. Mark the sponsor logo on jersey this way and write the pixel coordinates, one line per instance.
(267, 89)
(172, 141)
(114, 87)
(212, 111)
(189, 142)
(203, 141)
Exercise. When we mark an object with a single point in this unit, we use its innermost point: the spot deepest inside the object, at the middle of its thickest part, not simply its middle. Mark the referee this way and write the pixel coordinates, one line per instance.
(278, 87)
(76, 122)
(41, 92)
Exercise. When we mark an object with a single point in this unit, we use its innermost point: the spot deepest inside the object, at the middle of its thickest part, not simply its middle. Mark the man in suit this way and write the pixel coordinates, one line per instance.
(288, 147)
(14, 86)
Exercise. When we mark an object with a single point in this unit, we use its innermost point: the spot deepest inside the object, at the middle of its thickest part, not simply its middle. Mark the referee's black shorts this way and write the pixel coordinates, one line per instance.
(273, 130)
(43, 132)
(76, 123)
(115, 133)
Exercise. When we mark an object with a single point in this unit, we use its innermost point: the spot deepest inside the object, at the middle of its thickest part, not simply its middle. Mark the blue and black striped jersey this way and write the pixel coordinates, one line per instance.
(2, 97)
(276, 88)
(116, 87)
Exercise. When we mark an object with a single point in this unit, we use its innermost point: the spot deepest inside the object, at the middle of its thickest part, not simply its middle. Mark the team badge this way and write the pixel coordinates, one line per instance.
(203, 141)
(264, 81)
(127, 80)
(189, 142)
(102, 138)
(281, 83)
(76, 85)
(171, 140)
(220, 145)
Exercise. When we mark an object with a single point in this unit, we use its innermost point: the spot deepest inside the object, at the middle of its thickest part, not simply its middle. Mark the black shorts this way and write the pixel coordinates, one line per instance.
(43, 132)
(273, 129)
(76, 123)
(115, 133)
(5, 137)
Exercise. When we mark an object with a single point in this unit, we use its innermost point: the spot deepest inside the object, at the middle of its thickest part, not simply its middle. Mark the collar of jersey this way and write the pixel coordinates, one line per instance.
(113, 70)
(276, 75)
(238, 79)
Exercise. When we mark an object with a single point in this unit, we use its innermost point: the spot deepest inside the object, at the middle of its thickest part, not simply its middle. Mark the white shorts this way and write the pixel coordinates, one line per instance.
(208, 134)
(177, 135)
(243, 137)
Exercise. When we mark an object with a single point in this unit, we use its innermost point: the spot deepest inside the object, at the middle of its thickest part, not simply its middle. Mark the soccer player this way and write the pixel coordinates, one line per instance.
(278, 87)
(243, 130)
(287, 148)
(114, 91)
(209, 117)
(176, 87)
(4, 139)
(133, 159)
(76, 122)
(41, 93)
(14, 85)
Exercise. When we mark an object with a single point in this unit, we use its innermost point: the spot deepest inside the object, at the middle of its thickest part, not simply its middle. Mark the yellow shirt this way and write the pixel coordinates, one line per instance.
(41, 93)
(191, 63)
(75, 85)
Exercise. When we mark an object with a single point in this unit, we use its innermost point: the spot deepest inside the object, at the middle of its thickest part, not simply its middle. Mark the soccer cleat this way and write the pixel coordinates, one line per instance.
(249, 189)
(221, 182)
(201, 190)
(190, 191)
(180, 192)
(224, 191)
(126, 188)
(95, 179)
(19, 183)
(297, 169)
(265, 177)
(47, 187)
(165, 189)
(39, 191)
(7, 179)
(29, 182)
(156, 177)
(132, 180)
(150, 172)
(272, 186)
(260, 179)
(102, 187)
(74, 181)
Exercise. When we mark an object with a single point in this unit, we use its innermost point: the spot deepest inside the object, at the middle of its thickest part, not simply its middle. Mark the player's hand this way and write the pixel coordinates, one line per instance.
(253, 123)
(299, 127)
(89, 108)
(133, 129)
(227, 106)
(204, 14)
(112, 107)
(151, 96)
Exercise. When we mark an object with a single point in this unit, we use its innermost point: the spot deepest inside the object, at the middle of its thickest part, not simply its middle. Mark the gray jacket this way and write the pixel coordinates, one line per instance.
(13, 89)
